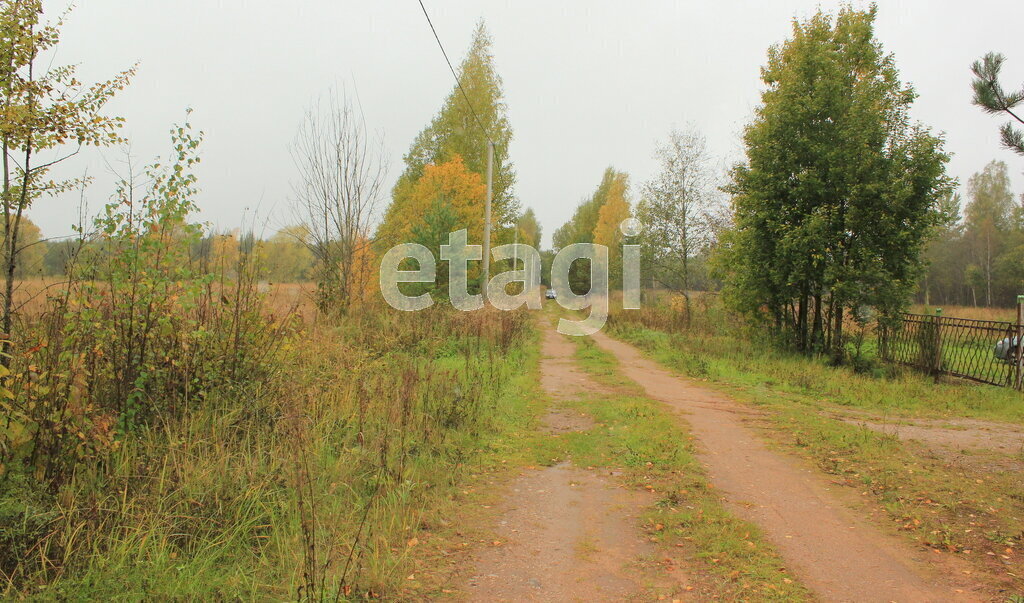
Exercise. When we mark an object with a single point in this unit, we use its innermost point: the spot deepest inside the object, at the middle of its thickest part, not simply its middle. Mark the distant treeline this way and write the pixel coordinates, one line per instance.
(977, 255)
(284, 257)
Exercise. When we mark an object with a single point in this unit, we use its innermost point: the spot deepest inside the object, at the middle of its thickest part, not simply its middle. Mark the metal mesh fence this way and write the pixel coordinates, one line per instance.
(986, 351)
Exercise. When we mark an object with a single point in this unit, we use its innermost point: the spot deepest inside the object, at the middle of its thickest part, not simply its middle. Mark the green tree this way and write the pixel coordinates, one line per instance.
(432, 232)
(943, 279)
(989, 216)
(839, 191)
(678, 211)
(44, 109)
(547, 258)
(975, 279)
(529, 228)
(990, 96)
(58, 255)
(469, 117)
(580, 228)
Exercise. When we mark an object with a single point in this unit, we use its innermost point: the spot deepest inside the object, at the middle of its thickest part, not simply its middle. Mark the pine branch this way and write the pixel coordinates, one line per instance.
(1012, 138)
(990, 96)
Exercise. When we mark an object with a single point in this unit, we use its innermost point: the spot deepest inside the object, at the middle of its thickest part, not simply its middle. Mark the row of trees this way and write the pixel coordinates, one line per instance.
(977, 254)
(596, 220)
(680, 215)
(285, 257)
(834, 206)
(341, 190)
(342, 183)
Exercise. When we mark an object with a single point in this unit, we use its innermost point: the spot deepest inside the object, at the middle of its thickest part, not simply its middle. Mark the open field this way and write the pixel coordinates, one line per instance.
(30, 296)
(975, 313)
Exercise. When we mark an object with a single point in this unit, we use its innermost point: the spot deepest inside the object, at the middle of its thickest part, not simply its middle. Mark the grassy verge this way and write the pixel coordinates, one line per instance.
(944, 504)
(458, 516)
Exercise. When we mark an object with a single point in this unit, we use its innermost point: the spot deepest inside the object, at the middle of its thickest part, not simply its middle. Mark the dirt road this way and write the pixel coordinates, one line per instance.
(566, 534)
(573, 534)
(837, 553)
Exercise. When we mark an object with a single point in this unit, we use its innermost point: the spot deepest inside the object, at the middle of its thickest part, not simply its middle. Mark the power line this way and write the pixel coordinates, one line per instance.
(454, 75)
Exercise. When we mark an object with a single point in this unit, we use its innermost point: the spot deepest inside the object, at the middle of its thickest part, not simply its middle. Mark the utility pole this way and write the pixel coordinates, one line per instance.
(487, 219)
(515, 251)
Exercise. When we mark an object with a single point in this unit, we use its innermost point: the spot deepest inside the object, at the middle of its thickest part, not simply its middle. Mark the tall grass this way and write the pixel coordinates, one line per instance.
(306, 485)
(175, 430)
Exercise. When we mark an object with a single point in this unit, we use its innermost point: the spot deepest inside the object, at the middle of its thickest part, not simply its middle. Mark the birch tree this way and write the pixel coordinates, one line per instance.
(988, 220)
(679, 210)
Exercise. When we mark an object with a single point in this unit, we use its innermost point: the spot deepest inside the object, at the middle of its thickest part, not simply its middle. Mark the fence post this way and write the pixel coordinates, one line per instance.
(937, 344)
(882, 332)
(1019, 383)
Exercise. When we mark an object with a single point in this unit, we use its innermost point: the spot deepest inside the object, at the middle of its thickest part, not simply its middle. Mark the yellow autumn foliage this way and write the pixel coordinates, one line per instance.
(451, 183)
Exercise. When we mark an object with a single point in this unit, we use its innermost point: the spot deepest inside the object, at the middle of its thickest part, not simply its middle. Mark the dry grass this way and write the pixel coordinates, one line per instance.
(285, 298)
(280, 299)
(1001, 314)
(30, 294)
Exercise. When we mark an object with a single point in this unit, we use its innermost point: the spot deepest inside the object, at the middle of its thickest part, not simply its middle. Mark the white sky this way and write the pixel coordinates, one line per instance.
(588, 83)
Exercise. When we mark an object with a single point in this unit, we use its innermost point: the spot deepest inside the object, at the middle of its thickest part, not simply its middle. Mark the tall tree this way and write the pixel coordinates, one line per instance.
(989, 217)
(470, 116)
(529, 228)
(678, 210)
(580, 227)
(45, 109)
(990, 96)
(607, 231)
(839, 191)
(943, 278)
(342, 172)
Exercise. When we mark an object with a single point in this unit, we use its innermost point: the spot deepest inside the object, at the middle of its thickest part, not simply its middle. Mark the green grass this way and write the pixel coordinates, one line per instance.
(754, 366)
(945, 505)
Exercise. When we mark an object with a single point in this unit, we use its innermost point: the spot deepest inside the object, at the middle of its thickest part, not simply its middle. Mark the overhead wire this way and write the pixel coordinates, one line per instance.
(455, 75)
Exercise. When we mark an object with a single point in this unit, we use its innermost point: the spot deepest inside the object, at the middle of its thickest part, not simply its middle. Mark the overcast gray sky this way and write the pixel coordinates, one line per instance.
(588, 83)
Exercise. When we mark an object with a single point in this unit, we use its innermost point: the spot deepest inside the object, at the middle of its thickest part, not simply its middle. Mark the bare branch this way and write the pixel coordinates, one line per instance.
(342, 180)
